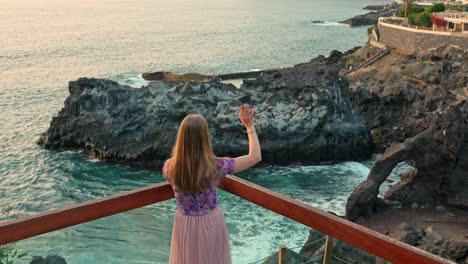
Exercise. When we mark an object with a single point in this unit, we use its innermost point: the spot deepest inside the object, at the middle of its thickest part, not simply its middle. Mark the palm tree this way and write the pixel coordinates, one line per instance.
(407, 3)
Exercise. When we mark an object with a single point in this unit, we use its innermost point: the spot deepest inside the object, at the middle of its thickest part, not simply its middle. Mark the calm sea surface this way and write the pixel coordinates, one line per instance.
(46, 43)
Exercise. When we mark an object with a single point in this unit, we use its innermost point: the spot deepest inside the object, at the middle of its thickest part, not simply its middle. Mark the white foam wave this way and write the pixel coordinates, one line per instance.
(132, 80)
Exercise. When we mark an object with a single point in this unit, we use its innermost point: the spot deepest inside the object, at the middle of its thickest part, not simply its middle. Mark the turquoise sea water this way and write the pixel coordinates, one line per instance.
(46, 43)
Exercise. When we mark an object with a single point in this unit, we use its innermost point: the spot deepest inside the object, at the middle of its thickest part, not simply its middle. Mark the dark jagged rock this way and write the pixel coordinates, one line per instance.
(291, 256)
(408, 234)
(52, 259)
(313, 243)
(375, 7)
(434, 153)
(37, 260)
(303, 115)
(372, 18)
(432, 241)
(396, 99)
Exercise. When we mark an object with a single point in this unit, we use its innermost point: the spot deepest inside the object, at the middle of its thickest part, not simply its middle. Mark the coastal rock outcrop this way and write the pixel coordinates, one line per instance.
(420, 99)
(372, 18)
(374, 7)
(303, 115)
(435, 153)
(416, 107)
(396, 96)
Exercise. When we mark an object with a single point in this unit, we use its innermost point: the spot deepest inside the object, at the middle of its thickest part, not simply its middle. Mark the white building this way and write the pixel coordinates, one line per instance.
(431, 2)
(457, 21)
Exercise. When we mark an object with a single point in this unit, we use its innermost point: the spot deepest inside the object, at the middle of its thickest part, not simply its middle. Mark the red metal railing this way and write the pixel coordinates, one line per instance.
(375, 243)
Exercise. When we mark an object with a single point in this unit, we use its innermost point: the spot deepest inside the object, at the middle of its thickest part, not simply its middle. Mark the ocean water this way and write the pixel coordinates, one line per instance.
(46, 43)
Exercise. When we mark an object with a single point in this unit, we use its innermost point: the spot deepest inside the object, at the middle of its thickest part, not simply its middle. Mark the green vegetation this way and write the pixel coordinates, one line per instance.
(353, 60)
(439, 7)
(414, 69)
(457, 7)
(373, 28)
(462, 8)
(411, 10)
(420, 17)
(420, 20)
(8, 252)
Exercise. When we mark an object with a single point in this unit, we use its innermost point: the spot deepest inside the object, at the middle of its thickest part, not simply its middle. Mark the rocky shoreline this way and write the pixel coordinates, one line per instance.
(372, 18)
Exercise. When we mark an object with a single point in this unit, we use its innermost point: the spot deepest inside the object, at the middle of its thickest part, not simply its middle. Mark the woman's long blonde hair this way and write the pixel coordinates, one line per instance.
(193, 163)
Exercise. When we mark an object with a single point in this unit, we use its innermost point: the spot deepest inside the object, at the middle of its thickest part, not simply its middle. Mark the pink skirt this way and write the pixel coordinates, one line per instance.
(201, 239)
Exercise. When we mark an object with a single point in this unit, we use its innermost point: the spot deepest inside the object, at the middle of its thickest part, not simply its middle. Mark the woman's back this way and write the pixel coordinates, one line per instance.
(203, 202)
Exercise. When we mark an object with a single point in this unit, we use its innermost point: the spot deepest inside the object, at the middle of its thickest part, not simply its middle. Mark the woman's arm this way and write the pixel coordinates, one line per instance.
(247, 117)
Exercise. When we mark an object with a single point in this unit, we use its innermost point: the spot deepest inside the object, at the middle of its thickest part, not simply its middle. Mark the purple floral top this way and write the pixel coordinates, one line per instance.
(205, 201)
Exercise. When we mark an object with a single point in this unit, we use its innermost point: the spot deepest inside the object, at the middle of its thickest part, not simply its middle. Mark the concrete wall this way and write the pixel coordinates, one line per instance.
(396, 36)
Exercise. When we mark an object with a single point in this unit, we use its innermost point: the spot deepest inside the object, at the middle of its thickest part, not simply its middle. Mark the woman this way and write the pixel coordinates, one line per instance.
(199, 234)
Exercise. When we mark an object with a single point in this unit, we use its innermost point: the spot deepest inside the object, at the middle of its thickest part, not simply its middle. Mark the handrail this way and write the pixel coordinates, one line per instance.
(346, 231)
(351, 233)
(41, 223)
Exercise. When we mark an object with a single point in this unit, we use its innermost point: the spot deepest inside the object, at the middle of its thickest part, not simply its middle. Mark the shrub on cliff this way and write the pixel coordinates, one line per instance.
(353, 60)
(424, 20)
(411, 10)
(439, 7)
(457, 7)
(420, 20)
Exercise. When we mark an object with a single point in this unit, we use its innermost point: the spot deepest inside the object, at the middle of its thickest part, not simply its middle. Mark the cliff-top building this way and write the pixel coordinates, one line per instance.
(431, 2)
(456, 21)
(449, 28)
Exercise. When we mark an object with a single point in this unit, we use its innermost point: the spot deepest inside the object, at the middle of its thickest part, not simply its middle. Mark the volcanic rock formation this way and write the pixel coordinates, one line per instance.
(420, 98)
(303, 115)
(395, 97)
(436, 153)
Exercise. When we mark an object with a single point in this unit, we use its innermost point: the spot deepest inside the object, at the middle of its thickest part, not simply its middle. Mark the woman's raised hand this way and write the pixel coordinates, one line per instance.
(247, 116)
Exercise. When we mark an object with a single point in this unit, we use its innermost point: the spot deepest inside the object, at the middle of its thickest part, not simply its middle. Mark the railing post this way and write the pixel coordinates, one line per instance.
(283, 255)
(328, 250)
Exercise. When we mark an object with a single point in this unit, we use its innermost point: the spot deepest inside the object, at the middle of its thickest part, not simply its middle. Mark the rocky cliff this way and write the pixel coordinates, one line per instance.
(435, 153)
(303, 115)
(416, 109)
(396, 96)
(412, 97)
